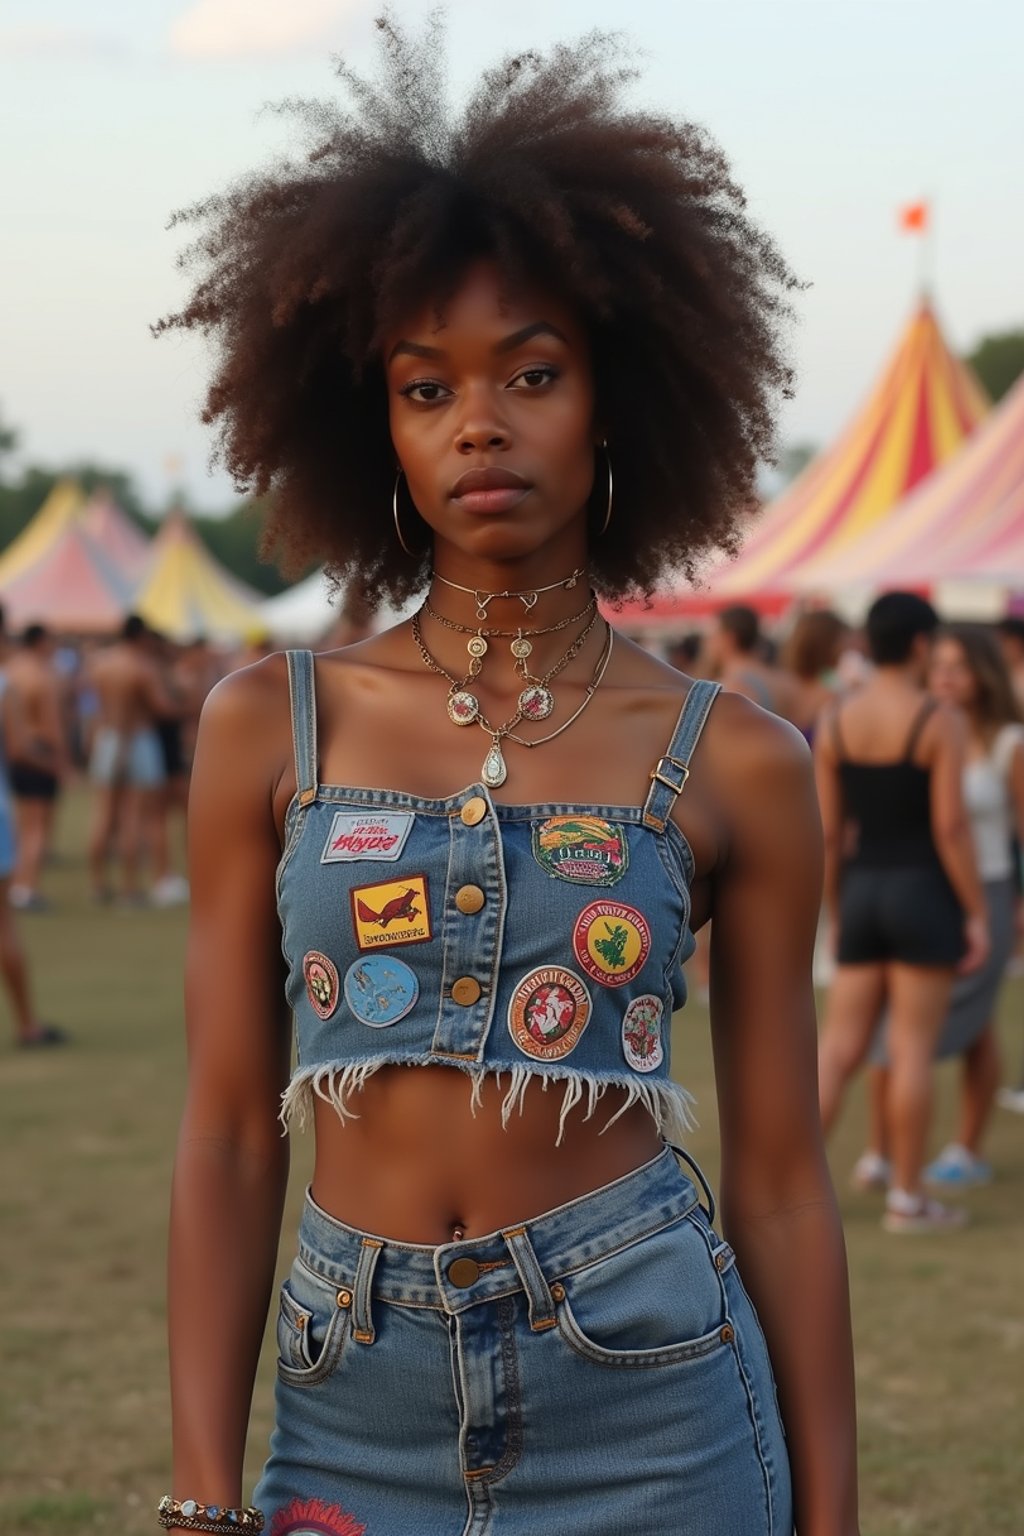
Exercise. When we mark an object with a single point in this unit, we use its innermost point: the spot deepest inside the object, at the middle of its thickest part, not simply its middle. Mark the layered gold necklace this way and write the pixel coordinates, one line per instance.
(536, 700)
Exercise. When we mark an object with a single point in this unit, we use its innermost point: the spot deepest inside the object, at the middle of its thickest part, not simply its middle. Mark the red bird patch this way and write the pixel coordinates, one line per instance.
(312, 1517)
(391, 912)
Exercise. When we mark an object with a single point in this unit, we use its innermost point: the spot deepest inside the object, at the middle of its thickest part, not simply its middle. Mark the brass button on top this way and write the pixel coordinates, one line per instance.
(344, 1298)
(558, 1291)
(727, 1335)
(469, 899)
(474, 811)
(466, 991)
(720, 1260)
(463, 1272)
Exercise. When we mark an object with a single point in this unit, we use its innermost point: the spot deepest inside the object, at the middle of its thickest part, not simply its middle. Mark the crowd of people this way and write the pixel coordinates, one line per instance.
(918, 740)
(918, 735)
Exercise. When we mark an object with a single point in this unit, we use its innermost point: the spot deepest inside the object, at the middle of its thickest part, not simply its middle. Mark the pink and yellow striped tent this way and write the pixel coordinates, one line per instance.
(965, 523)
(918, 415)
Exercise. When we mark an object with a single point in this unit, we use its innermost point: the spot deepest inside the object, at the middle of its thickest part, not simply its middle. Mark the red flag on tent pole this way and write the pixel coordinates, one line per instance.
(914, 218)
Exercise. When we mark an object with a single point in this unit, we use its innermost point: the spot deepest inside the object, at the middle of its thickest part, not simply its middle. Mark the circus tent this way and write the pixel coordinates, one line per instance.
(187, 593)
(964, 526)
(921, 410)
(59, 509)
(122, 541)
(71, 587)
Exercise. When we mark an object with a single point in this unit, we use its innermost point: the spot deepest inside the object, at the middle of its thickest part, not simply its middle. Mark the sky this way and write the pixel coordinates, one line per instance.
(833, 113)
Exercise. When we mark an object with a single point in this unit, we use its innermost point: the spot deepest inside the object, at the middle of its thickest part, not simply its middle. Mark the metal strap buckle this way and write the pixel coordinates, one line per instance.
(659, 777)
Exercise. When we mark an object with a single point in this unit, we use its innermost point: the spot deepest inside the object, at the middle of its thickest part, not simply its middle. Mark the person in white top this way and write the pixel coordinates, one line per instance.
(967, 669)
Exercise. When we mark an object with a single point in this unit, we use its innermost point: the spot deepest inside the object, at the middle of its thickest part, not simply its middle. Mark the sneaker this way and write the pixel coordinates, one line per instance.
(42, 1036)
(909, 1213)
(1012, 1099)
(870, 1171)
(25, 900)
(171, 891)
(957, 1168)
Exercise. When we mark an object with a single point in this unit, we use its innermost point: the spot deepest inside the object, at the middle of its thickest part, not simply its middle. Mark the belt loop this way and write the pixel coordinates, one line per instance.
(705, 1186)
(362, 1291)
(538, 1295)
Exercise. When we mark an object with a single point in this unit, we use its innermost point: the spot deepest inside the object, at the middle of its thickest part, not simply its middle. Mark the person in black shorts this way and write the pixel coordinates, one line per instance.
(901, 886)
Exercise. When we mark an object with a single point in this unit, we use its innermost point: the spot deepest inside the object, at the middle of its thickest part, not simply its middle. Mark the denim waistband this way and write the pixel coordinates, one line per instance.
(527, 1255)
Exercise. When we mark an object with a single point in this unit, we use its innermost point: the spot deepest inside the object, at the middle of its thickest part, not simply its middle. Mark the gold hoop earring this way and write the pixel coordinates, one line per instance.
(394, 513)
(611, 489)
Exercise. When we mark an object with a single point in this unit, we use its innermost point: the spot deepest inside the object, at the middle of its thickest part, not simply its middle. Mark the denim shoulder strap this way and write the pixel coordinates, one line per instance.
(302, 692)
(671, 772)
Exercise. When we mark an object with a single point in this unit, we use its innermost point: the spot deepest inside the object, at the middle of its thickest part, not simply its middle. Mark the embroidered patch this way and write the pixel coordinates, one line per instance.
(611, 942)
(312, 1517)
(363, 835)
(321, 983)
(584, 849)
(641, 1033)
(548, 1013)
(380, 990)
(391, 912)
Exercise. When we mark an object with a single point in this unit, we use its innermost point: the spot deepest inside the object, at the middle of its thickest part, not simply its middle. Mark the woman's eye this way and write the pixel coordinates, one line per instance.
(424, 391)
(534, 378)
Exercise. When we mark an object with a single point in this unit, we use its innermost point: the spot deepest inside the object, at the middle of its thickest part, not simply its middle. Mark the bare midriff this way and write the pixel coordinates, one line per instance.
(418, 1165)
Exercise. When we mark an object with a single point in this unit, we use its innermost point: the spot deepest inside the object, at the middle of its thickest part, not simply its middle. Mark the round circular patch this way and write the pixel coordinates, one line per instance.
(641, 1033)
(611, 942)
(380, 989)
(548, 1013)
(321, 976)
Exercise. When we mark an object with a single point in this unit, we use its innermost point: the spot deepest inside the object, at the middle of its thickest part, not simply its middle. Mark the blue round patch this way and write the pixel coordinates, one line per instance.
(380, 989)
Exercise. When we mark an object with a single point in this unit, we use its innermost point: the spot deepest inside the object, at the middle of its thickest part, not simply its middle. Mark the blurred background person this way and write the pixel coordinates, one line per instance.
(901, 886)
(686, 654)
(37, 747)
(168, 888)
(968, 671)
(733, 653)
(127, 763)
(1011, 640)
(810, 657)
(29, 1032)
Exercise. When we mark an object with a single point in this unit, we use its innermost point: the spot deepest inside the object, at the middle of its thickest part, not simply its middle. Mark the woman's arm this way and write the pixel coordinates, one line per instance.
(830, 804)
(778, 1205)
(945, 737)
(232, 1163)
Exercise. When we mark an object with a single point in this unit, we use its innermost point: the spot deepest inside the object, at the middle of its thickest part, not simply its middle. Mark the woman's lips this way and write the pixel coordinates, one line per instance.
(490, 490)
(499, 500)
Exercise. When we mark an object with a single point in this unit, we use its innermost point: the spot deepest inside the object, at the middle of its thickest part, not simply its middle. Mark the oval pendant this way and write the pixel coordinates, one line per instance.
(463, 707)
(494, 771)
(521, 648)
(536, 702)
(477, 646)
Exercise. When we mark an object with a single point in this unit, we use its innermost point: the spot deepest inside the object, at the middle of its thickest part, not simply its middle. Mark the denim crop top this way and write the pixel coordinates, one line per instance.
(528, 941)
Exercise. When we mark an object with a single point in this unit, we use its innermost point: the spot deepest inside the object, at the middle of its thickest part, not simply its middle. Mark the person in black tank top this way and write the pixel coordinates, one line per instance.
(901, 886)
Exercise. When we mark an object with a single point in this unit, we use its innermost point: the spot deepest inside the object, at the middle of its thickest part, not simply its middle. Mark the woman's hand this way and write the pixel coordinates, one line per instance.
(979, 944)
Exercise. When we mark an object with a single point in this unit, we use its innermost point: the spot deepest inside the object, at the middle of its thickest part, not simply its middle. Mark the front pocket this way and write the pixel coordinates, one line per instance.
(661, 1299)
(313, 1323)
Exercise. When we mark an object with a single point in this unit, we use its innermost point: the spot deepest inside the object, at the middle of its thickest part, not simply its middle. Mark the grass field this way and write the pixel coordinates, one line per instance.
(86, 1138)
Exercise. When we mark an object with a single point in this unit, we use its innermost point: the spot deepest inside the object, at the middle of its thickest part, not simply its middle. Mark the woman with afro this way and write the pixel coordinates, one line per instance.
(497, 367)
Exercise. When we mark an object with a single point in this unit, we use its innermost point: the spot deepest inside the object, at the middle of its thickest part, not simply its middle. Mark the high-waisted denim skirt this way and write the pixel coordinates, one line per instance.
(595, 1371)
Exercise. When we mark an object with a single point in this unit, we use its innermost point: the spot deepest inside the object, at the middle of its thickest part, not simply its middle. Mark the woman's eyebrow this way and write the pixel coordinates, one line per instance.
(507, 344)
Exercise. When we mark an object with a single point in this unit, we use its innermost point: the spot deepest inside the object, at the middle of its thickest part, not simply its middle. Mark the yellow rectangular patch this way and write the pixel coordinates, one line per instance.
(391, 912)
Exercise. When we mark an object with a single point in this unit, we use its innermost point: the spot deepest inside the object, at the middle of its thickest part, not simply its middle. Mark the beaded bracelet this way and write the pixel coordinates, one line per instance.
(190, 1515)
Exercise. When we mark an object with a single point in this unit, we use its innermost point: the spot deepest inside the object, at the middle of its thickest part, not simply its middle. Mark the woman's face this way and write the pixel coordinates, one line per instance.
(949, 676)
(491, 407)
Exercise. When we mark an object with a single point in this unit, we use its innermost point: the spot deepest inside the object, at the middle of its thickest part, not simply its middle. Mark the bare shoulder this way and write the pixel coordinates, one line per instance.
(757, 773)
(249, 708)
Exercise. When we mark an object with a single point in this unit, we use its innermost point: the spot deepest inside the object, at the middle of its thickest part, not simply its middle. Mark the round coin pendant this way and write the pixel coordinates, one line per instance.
(521, 648)
(536, 702)
(463, 707)
(477, 646)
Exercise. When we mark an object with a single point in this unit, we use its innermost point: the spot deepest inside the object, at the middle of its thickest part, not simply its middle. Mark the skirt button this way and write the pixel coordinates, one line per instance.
(469, 899)
(466, 991)
(463, 1272)
(474, 811)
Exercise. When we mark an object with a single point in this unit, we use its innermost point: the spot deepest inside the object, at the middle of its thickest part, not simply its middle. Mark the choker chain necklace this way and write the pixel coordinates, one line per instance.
(535, 702)
(528, 597)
